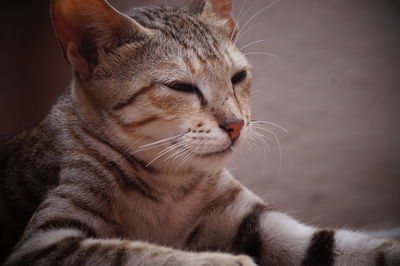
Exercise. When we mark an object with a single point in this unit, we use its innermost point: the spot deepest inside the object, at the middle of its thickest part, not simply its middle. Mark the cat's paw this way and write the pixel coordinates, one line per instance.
(220, 259)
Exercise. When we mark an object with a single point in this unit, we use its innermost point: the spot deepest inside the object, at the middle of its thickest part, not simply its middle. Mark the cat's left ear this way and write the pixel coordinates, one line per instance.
(218, 11)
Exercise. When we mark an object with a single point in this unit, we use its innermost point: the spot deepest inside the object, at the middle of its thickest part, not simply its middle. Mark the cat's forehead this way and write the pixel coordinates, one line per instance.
(189, 42)
(181, 27)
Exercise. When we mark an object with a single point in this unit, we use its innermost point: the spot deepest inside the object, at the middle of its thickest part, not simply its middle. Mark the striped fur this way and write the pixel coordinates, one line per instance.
(127, 170)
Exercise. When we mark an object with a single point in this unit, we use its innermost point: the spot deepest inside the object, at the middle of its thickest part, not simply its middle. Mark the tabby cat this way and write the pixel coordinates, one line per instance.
(128, 168)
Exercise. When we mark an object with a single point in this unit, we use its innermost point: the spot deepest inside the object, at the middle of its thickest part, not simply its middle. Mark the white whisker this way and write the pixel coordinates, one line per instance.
(165, 151)
(259, 123)
(158, 143)
(258, 13)
(186, 158)
(247, 11)
(264, 145)
(261, 137)
(279, 148)
(250, 28)
(238, 20)
(263, 53)
(250, 44)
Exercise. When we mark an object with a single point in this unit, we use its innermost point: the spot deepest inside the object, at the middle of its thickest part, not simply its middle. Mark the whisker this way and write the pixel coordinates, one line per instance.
(264, 53)
(279, 149)
(249, 144)
(159, 142)
(249, 44)
(177, 153)
(241, 10)
(264, 145)
(185, 152)
(258, 122)
(258, 13)
(247, 11)
(181, 152)
(261, 137)
(186, 158)
(125, 152)
(165, 151)
(250, 28)
(238, 20)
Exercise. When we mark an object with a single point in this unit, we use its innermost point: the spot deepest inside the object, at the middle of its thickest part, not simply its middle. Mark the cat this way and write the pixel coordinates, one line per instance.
(128, 167)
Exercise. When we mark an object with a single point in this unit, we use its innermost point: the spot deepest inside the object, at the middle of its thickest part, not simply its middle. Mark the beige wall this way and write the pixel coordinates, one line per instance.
(335, 87)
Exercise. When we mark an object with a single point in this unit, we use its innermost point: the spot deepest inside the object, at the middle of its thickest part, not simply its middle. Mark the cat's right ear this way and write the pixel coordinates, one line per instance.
(87, 27)
(222, 9)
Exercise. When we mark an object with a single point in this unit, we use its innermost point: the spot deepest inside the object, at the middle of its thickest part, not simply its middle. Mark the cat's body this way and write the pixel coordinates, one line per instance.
(127, 169)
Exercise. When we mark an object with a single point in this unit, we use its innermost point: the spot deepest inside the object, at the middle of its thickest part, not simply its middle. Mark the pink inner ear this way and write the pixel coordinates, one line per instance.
(84, 25)
(65, 32)
(70, 17)
(224, 9)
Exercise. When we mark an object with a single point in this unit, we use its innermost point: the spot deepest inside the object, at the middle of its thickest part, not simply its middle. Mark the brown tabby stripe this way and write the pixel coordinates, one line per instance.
(36, 255)
(85, 253)
(193, 235)
(321, 249)
(121, 257)
(187, 189)
(44, 205)
(78, 203)
(202, 99)
(90, 169)
(188, 63)
(137, 183)
(171, 29)
(140, 123)
(66, 223)
(133, 97)
(65, 249)
(380, 259)
(120, 176)
(223, 200)
(248, 239)
(114, 168)
(129, 157)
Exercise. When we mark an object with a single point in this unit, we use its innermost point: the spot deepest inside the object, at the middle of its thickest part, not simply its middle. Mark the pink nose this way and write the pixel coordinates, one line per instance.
(233, 128)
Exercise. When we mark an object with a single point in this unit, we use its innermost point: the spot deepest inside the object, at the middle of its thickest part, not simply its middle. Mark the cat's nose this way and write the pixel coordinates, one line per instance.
(233, 128)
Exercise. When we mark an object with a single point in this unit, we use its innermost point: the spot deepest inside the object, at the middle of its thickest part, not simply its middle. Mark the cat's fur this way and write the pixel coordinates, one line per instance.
(125, 170)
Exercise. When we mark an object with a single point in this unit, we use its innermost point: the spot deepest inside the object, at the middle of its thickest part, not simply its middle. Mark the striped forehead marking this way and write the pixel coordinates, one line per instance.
(183, 28)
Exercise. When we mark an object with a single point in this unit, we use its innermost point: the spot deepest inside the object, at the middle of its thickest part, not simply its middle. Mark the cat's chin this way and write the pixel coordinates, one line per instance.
(213, 161)
(219, 153)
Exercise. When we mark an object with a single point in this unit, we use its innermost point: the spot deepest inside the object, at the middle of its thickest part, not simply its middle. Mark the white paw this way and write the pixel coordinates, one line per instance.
(219, 259)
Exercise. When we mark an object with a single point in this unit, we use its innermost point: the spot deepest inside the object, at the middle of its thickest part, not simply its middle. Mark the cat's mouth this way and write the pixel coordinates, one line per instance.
(217, 153)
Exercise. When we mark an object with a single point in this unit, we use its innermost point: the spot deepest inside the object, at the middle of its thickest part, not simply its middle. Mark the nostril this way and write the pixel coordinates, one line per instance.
(233, 128)
(227, 129)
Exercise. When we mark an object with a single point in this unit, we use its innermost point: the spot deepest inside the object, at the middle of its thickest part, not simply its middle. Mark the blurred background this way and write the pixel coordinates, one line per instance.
(333, 81)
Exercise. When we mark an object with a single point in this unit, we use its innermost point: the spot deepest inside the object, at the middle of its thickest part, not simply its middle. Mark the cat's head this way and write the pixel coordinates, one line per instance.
(168, 76)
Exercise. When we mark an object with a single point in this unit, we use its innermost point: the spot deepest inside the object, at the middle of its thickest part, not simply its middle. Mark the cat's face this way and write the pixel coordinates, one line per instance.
(184, 81)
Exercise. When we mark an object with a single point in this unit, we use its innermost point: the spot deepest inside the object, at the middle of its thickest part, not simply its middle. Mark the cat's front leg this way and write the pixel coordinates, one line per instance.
(65, 231)
(70, 247)
(238, 221)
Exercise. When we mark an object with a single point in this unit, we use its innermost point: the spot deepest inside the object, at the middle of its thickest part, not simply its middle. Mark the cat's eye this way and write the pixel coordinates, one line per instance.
(183, 87)
(239, 77)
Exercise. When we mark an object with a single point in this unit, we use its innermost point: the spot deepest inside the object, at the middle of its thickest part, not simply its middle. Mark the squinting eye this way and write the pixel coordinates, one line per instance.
(239, 77)
(183, 87)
